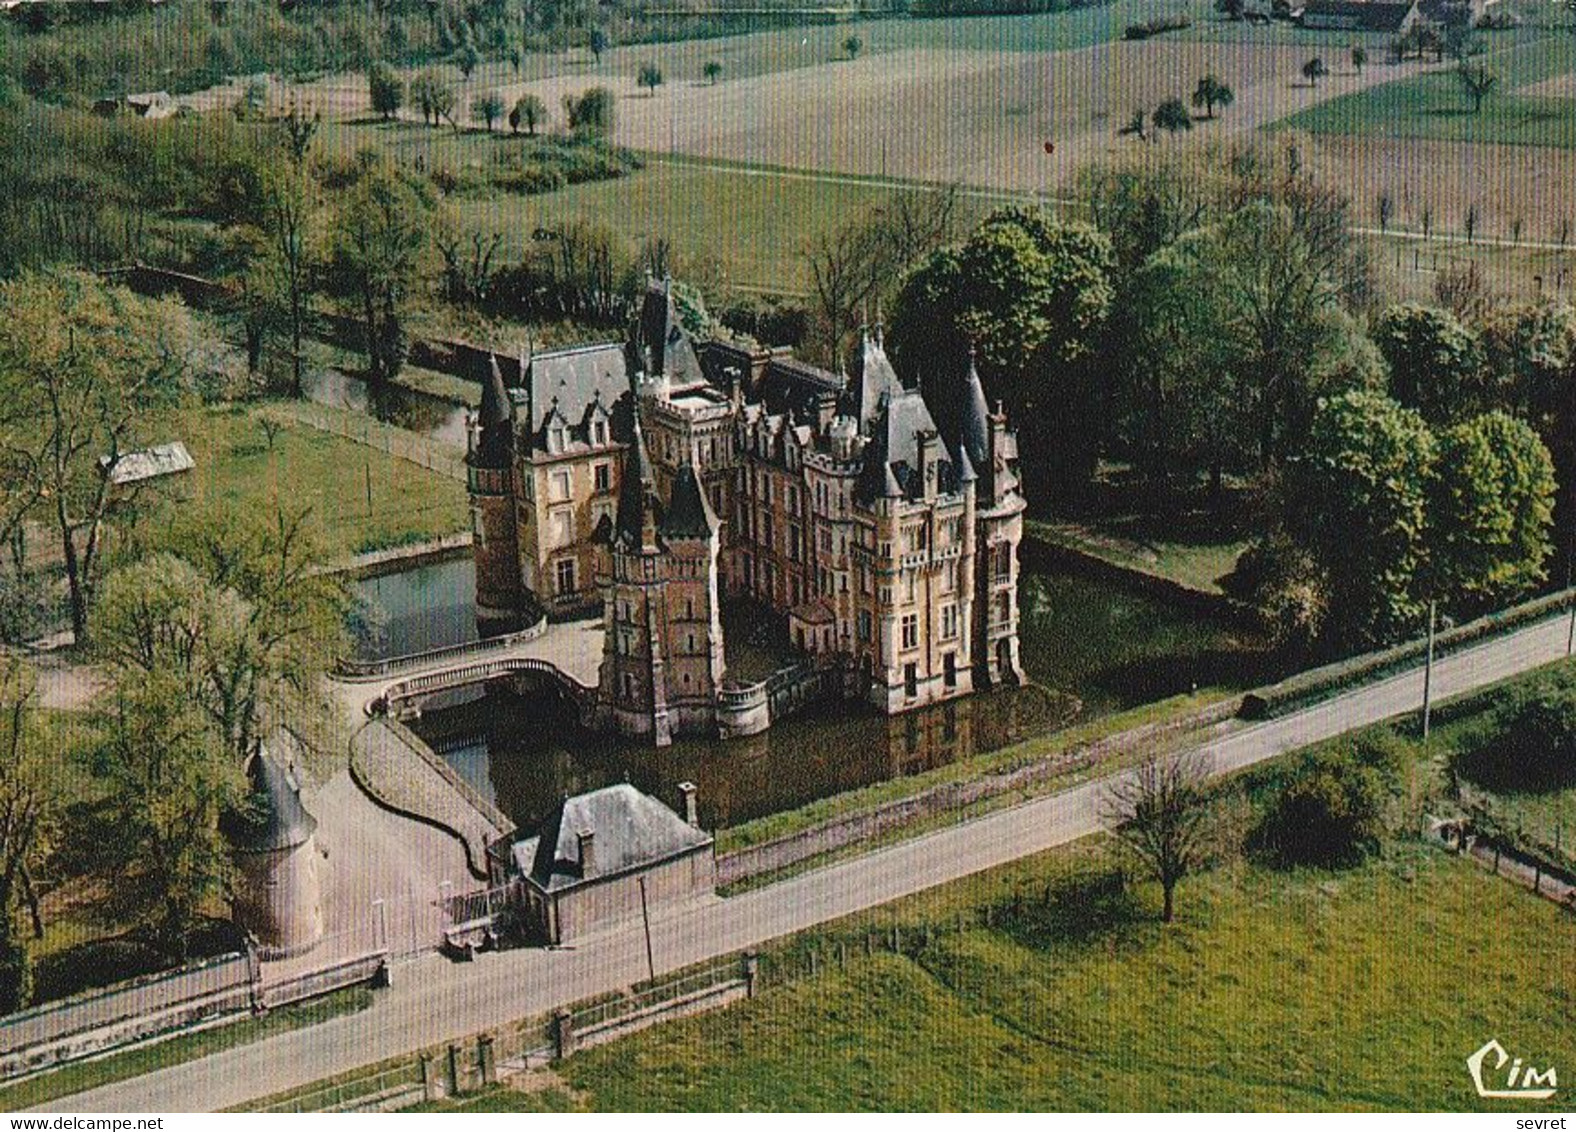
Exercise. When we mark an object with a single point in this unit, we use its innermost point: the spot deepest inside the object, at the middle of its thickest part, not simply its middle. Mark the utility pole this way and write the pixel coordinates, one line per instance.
(1428, 671)
(645, 916)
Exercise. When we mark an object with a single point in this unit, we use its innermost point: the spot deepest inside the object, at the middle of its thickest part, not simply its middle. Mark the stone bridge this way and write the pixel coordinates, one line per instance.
(566, 653)
(403, 696)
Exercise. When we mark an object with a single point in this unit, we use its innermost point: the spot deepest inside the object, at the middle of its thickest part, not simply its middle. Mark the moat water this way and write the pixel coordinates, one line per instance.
(1090, 648)
(435, 418)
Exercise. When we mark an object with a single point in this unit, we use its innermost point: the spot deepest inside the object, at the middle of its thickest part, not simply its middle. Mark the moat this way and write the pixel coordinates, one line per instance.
(1090, 648)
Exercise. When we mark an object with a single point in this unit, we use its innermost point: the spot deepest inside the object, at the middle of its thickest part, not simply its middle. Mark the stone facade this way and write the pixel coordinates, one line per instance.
(829, 498)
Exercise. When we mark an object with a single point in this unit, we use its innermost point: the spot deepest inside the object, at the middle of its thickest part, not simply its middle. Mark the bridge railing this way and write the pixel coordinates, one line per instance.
(349, 669)
(449, 678)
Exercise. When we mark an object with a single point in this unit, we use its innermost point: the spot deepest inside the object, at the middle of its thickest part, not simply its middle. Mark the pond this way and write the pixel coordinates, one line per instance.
(527, 753)
(422, 413)
(1084, 642)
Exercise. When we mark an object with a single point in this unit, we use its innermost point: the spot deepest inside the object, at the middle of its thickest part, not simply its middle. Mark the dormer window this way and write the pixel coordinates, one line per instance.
(599, 431)
(557, 438)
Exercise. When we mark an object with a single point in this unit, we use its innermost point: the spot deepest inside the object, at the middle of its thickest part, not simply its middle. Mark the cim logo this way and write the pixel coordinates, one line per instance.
(1521, 1083)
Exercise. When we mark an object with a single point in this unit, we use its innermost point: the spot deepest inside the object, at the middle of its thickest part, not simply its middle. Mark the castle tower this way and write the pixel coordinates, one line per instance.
(992, 450)
(634, 677)
(692, 635)
(490, 478)
(278, 897)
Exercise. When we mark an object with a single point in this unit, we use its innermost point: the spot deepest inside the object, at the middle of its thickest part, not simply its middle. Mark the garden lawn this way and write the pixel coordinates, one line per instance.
(305, 468)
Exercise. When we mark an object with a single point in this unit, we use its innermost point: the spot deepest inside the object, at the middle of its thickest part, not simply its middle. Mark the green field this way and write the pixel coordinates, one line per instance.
(1435, 106)
(1358, 990)
(305, 468)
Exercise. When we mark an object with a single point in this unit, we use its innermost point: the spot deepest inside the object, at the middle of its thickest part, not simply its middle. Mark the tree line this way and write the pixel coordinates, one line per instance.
(1216, 325)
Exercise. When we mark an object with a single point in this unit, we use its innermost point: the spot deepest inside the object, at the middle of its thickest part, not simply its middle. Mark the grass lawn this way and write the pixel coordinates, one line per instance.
(1436, 106)
(1134, 541)
(1116, 650)
(148, 1058)
(1364, 989)
(308, 468)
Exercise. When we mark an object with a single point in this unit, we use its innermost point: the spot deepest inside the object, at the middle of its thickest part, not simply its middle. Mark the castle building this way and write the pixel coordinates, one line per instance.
(658, 479)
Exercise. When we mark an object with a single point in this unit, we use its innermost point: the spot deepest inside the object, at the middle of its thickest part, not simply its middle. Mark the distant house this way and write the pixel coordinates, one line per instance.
(1452, 13)
(148, 464)
(1393, 17)
(152, 105)
(605, 858)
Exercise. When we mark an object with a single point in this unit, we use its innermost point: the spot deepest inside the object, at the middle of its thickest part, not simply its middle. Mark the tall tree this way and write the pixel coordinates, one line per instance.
(1032, 295)
(385, 89)
(381, 236)
(1314, 70)
(1161, 812)
(1210, 93)
(650, 77)
(528, 111)
(29, 806)
(856, 266)
(291, 223)
(1491, 505)
(82, 367)
(1436, 363)
(1172, 116)
(1356, 501)
(487, 109)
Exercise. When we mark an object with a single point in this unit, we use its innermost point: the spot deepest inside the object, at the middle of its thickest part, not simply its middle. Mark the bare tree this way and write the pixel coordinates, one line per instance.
(1161, 812)
(857, 264)
(290, 221)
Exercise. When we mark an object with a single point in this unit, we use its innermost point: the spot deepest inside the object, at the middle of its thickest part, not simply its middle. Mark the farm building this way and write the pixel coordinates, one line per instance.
(604, 858)
(1392, 16)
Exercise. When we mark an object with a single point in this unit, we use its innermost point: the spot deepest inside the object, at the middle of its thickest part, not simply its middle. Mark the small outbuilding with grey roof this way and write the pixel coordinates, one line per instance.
(600, 857)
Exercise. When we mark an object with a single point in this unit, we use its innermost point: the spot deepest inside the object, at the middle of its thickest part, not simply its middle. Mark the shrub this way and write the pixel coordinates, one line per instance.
(1156, 26)
(1534, 744)
(1333, 812)
(531, 179)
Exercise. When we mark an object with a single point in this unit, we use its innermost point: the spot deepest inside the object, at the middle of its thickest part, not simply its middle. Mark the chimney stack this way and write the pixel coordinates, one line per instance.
(587, 840)
(691, 810)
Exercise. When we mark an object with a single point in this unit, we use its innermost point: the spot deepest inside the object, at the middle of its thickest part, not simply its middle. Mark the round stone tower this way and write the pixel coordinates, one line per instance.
(278, 896)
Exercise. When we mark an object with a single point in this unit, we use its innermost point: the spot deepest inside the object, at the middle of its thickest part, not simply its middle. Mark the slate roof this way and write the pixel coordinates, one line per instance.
(891, 459)
(974, 420)
(792, 387)
(635, 494)
(873, 379)
(496, 446)
(273, 817)
(632, 830)
(689, 511)
(568, 383)
(663, 337)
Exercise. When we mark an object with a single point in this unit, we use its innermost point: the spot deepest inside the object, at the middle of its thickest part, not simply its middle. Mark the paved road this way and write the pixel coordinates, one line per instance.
(433, 1000)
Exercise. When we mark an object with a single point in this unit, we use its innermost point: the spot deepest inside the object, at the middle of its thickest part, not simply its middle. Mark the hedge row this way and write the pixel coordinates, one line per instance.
(1332, 679)
(1156, 26)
